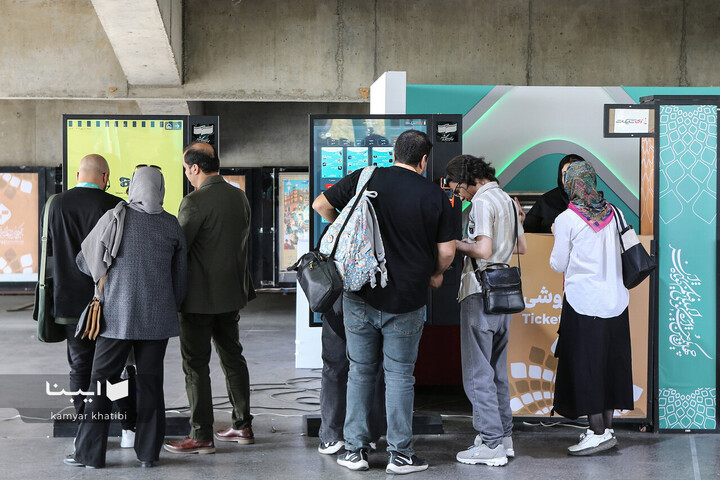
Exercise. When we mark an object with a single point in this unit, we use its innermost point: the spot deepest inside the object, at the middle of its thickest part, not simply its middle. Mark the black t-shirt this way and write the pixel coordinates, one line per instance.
(414, 216)
(72, 215)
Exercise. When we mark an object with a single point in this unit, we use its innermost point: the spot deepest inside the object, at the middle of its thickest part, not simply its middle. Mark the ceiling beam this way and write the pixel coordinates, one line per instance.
(146, 36)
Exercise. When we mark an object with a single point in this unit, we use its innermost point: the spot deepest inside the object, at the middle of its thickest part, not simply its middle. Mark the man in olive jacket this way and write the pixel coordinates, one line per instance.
(216, 221)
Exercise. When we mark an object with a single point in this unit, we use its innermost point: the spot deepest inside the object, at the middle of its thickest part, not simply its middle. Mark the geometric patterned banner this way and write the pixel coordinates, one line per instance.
(687, 269)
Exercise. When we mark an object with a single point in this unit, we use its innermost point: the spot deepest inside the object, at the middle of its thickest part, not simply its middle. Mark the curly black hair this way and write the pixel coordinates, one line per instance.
(468, 168)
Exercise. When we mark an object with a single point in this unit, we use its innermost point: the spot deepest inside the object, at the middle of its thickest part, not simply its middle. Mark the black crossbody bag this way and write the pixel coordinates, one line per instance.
(501, 284)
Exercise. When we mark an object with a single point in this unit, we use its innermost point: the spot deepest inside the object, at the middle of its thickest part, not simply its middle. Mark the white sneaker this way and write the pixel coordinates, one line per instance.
(128, 439)
(508, 446)
(592, 443)
(494, 457)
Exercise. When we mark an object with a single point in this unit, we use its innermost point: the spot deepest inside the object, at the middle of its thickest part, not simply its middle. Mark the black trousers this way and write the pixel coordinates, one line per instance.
(80, 355)
(109, 360)
(333, 384)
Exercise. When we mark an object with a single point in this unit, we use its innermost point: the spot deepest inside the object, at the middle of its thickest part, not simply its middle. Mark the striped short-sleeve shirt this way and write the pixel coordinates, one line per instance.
(491, 215)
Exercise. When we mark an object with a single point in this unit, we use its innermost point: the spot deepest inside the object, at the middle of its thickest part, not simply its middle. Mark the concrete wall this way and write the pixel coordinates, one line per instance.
(252, 134)
(56, 49)
(31, 131)
(269, 134)
(324, 50)
(239, 57)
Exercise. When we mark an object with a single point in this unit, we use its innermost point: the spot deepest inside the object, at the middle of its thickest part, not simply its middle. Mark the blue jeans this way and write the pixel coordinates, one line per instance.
(371, 333)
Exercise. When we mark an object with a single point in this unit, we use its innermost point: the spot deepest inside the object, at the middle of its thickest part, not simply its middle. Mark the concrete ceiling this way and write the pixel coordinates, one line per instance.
(141, 32)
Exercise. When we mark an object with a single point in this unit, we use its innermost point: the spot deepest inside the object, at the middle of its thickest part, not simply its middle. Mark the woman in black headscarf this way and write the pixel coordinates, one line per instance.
(140, 251)
(542, 215)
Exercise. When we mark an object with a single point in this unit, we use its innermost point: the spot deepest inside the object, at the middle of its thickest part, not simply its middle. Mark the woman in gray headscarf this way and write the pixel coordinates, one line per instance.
(141, 249)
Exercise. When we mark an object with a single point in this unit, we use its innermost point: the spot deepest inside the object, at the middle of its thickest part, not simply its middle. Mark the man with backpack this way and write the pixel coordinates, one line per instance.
(416, 226)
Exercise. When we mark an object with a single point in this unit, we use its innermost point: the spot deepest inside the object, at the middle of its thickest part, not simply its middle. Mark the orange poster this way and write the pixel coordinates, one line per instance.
(18, 227)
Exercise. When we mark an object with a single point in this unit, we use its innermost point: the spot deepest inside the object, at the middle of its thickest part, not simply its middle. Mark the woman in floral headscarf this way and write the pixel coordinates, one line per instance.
(594, 375)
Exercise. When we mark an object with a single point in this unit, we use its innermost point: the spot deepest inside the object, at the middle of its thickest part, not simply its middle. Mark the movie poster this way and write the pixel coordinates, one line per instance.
(19, 225)
(294, 213)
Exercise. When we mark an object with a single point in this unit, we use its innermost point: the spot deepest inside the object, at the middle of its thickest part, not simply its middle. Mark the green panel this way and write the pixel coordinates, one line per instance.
(541, 175)
(444, 98)
(637, 92)
(687, 251)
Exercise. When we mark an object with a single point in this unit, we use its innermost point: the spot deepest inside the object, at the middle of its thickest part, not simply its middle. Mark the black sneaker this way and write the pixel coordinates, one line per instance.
(330, 448)
(355, 460)
(399, 463)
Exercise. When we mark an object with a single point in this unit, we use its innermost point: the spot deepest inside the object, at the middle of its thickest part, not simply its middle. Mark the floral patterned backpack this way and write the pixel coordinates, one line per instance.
(360, 253)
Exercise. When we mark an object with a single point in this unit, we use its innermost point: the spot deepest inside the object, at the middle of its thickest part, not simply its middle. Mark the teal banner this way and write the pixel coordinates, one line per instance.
(687, 270)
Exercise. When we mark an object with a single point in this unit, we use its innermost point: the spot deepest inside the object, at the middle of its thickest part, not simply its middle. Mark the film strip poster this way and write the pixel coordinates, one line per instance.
(19, 227)
(126, 143)
(687, 269)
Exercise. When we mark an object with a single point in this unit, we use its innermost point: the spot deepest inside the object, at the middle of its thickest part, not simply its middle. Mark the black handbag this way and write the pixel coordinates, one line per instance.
(637, 264)
(319, 279)
(317, 274)
(501, 284)
(47, 330)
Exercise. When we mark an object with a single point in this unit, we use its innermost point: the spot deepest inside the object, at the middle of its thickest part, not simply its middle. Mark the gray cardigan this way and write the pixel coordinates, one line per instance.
(147, 281)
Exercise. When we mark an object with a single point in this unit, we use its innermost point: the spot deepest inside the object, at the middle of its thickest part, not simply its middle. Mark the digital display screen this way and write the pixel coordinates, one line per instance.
(19, 227)
(340, 146)
(628, 121)
(126, 144)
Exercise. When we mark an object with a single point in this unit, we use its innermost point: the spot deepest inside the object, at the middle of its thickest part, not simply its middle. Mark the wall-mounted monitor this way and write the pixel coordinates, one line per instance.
(629, 120)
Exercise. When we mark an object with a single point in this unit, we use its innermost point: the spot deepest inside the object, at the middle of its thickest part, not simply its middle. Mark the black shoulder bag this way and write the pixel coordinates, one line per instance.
(47, 330)
(501, 284)
(317, 274)
(636, 262)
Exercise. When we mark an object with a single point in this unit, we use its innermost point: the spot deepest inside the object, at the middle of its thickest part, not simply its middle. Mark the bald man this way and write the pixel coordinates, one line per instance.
(216, 221)
(72, 215)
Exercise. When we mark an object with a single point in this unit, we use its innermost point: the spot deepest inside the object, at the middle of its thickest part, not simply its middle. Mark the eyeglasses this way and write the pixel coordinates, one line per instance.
(137, 167)
(456, 192)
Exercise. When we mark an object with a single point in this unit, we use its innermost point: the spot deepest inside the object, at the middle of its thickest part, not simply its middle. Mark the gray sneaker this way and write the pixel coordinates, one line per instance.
(507, 444)
(494, 457)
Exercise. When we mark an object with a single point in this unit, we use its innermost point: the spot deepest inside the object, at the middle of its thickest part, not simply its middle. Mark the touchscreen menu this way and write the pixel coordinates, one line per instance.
(341, 146)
